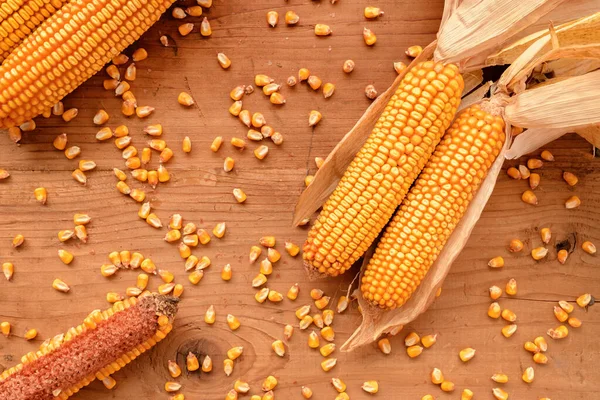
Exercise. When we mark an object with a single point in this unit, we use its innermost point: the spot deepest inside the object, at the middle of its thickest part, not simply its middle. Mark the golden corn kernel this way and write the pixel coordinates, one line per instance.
(314, 117)
(584, 300)
(259, 280)
(277, 138)
(272, 18)
(291, 18)
(322, 30)
(113, 72)
(232, 322)
(58, 108)
(303, 74)
(511, 287)
(191, 362)
(338, 384)
(101, 117)
(191, 261)
(277, 98)
(303, 311)
(121, 89)
(270, 88)
(278, 348)
(327, 333)
(123, 187)
(327, 349)
(269, 383)
(437, 377)
(60, 142)
(128, 108)
(344, 395)
(559, 333)
(534, 180)
(523, 172)
(531, 347)
(373, 12)
(113, 297)
(322, 302)
(496, 262)
(207, 364)
(139, 55)
(15, 134)
(185, 29)
(495, 292)
(572, 202)
(237, 93)
(547, 156)
(574, 322)
(291, 81)
(534, 163)
(8, 270)
(466, 395)
(414, 51)
(328, 364)
(314, 82)
(144, 211)
(31, 334)
(414, 351)
(500, 378)
(148, 266)
(144, 111)
(292, 249)
(529, 197)
(174, 369)
(275, 297)
(515, 246)
(254, 135)
(223, 60)
(262, 295)
(108, 269)
(5, 328)
(494, 310)
(528, 375)
(499, 394)
(65, 256)
(565, 305)
(205, 29)
(216, 144)
(239, 195)
(540, 358)
(513, 173)
(18, 240)
(570, 178)
(348, 66)
(305, 322)
(384, 346)
(228, 366)
(318, 320)
(447, 386)
(411, 339)
(60, 286)
(508, 315)
(261, 152)
(428, 341)
(69, 115)
(258, 120)
(196, 276)
(255, 252)
(509, 330)
(185, 99)
(538, 253)
(123, 142)
(560, 314)
(369, 37)
(306, 392)
(466, 354)
(588, 247)
(371, 92)
(41, 195)
(163, 174)
(235, 108)
(154, 221)
(172, 386)
(541, 343)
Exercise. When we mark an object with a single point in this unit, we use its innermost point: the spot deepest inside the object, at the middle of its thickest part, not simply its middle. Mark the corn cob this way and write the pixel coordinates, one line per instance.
(381, 174)
(66, 50)
(102, 345)
(433, 208)
(18, 18)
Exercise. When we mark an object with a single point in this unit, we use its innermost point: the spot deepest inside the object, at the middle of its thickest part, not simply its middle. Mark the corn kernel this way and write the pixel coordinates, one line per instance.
(322, 30)
(314, 118)
(328, 364)
(570, 178)
(414, 51)
(239, 195)
(529, 197)
(494, 310)
(369, 37)
(466, 354)
(588, 247)
(223, 60)
(414, 351)
(384, 345)
(291, 18)
(509, 330)
(437, 377)
(496, 262)
(65, 256)
(540, 358)
(205, 29)
(428, 341)
(272, 18)
(31, 334)
(572, 202)
(499, 394)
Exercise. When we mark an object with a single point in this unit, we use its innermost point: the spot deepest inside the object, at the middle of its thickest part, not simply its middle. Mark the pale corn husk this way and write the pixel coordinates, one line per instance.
(475, 96)
(476, 27)
(472, 80)
(564, 97)
(572, 67)
(456, 23)
(375, 322)
(591, 134)
(582, 31)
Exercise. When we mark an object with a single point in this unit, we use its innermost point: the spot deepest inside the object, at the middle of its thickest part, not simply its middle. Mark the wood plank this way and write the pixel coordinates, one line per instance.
(201, 192)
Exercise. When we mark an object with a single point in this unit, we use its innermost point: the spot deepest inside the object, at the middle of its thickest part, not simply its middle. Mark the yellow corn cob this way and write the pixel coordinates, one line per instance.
(66, 50)
(380, 175)
(105, 342)
(18, 18)
(433, 208)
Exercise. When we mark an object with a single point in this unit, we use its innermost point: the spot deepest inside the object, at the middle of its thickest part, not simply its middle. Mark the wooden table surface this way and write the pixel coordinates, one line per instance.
(200, 190)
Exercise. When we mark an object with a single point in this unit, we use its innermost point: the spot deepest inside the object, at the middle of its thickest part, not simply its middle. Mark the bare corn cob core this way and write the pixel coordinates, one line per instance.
(433, 207)
(380, 175)
(66, 50)
(102, 345)
(18, 18)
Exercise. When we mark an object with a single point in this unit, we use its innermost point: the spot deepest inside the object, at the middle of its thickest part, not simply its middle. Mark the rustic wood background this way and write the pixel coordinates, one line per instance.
(201, 192)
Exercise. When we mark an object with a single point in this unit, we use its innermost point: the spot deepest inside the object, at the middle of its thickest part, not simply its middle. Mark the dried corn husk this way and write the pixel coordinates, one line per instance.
(546, 112)
(472, 80)
(572, 67)
(475, 96)
(471, 28)
(591, 134)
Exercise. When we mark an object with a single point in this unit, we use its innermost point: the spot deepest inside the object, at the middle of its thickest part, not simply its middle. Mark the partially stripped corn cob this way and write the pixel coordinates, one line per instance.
(102, 345)
(433, 208)
(18, 18)
(66, 50)
(381, 174)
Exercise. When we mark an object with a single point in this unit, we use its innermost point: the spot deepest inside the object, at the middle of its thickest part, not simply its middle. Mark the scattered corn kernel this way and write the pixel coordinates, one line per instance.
(369, 37)
(466, 354)
(538, 253)
(588, 247)
(414, 51)
(529, 197)
(414, 351)
(511, 287)
(428, 341)
(496, 262)
(509, 330)
(291, 18)
(570, 178)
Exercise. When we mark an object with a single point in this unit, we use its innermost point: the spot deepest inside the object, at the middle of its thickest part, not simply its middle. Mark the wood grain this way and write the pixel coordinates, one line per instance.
(201, 192)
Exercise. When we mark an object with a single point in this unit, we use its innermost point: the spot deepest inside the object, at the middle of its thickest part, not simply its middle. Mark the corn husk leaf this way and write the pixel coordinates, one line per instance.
(568, 104)
(472, 80)
(532, 139)
(336, 163)
(591, 134)
(567, 11)
(375, 321)
(475, 28)
(475, 96)
(572, 67)
(585, 30)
